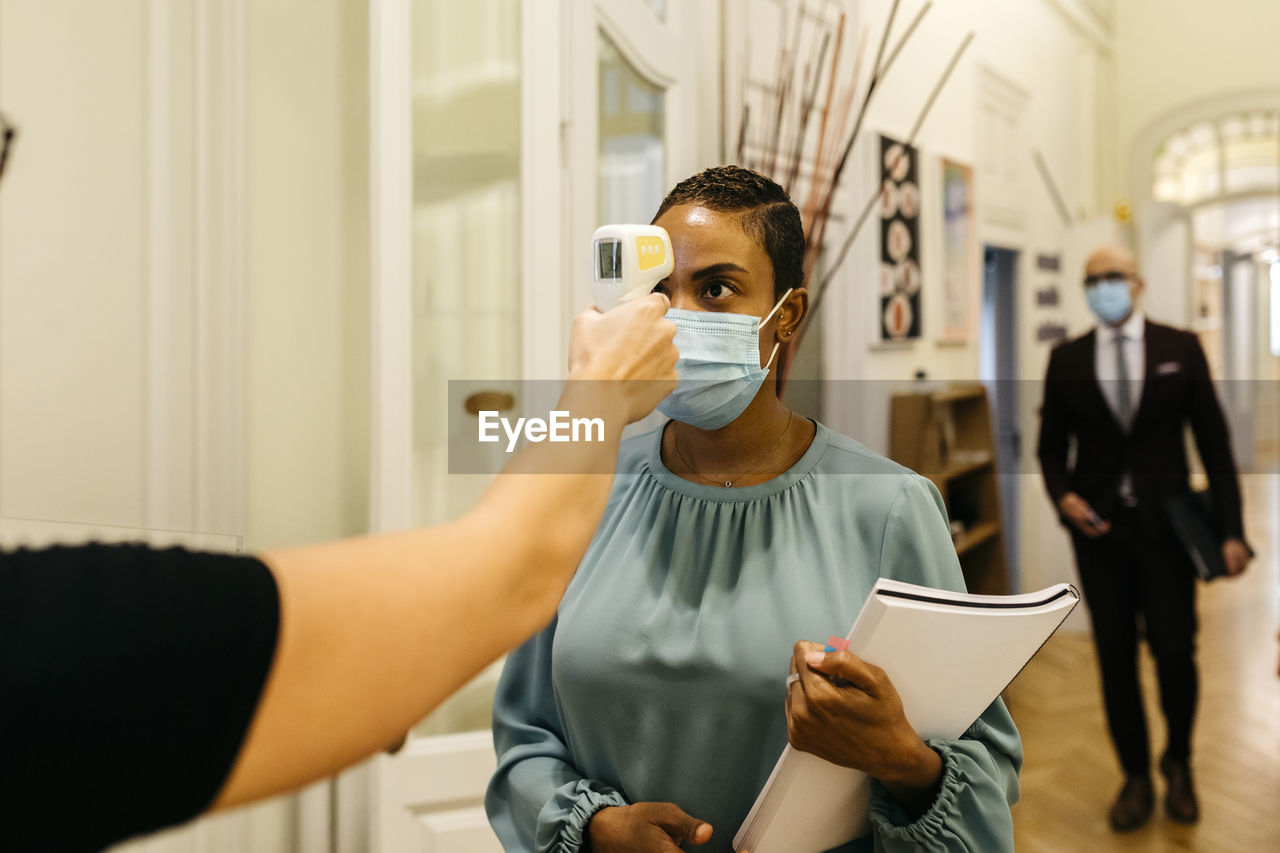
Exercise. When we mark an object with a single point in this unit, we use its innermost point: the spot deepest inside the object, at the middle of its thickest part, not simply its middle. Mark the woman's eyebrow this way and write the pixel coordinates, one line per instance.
(717, 269)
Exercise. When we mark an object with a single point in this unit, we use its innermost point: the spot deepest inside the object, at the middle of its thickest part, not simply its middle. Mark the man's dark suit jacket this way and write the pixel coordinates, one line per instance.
(1177, 390)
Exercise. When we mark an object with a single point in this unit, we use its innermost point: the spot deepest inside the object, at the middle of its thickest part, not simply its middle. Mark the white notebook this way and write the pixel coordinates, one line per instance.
(949, 655)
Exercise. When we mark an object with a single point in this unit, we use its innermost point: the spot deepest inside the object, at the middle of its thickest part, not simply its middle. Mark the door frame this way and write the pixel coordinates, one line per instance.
(1006, 412)
(557, 205)
(558, 126)
(545, 73)
(659, 56)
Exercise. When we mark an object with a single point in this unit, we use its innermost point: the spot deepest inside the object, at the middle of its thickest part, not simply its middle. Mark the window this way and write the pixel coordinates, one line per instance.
(1238, 153)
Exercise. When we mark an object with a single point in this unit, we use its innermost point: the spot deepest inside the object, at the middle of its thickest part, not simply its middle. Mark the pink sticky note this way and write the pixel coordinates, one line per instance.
(840, 644)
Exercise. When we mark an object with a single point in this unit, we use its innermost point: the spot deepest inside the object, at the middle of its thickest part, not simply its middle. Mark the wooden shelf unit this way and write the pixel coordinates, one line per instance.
(945, 435)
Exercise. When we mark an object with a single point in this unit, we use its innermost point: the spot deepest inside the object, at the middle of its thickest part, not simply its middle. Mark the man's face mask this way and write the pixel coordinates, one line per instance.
(718, 372)
(1109, 299)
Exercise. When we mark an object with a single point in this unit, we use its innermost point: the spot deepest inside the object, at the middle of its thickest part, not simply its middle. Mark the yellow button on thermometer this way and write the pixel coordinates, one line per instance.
(629, 261)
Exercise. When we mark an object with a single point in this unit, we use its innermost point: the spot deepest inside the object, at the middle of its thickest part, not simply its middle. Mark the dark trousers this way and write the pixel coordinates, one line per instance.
(1138, 582)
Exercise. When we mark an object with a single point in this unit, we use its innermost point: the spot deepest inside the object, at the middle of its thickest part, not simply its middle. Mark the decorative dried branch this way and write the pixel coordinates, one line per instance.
(809, 212)
(820, 290)
(880, 69)
(806, 109)
(774, 132)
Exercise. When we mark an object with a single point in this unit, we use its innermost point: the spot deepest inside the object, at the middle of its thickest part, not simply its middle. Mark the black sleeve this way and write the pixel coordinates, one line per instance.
(128, 678)
(1051, 446)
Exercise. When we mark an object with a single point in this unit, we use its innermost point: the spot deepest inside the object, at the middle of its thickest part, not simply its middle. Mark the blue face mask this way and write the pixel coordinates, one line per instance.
(1109, 300)
(718, 372)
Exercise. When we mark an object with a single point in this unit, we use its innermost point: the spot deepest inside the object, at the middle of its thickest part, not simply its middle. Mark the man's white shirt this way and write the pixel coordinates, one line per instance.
(1135, 360)
(1107, 368)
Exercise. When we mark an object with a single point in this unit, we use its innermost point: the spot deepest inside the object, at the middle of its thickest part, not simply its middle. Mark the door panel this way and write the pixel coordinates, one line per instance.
(999, 368)
(512, 162)
(430, 796)
(450, 300)
(467, 300)
(631, 115)
(631, 181)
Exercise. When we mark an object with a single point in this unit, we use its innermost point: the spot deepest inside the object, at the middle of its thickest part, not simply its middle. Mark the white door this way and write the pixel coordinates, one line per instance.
(425, 799)
(632, 128)
(504, 131)
(1165, 249)
(447, 213)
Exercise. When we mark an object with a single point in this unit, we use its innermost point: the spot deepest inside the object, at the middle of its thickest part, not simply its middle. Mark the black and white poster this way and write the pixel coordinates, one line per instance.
(899, 241)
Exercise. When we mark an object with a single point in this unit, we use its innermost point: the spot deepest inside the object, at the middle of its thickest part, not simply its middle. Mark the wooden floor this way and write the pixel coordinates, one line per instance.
(1071, 775)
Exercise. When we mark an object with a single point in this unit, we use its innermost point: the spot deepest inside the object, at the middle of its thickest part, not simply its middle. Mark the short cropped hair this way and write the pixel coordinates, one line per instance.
(767, 215)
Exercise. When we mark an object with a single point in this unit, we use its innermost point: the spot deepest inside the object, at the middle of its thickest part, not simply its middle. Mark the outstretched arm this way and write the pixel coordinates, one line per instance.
(376, 631)
(1051, 447)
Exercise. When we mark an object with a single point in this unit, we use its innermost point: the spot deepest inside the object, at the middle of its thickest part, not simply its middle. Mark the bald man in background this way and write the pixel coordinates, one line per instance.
(1123, 393)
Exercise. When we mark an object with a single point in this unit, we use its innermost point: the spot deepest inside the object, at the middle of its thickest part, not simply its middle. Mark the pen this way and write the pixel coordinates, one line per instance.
(834, 644)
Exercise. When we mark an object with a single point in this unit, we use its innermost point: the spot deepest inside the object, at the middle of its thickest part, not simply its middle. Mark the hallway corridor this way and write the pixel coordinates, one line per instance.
(1071, 775)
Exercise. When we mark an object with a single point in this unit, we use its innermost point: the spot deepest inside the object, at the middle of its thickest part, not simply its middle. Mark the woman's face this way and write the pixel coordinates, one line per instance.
(717, 266)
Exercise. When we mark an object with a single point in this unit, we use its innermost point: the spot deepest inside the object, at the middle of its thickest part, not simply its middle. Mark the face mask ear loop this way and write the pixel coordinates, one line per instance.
(769, 363)
(778, 305)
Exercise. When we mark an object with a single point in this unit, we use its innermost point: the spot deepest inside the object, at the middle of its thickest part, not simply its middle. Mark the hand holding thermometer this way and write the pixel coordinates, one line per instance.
(629, 261)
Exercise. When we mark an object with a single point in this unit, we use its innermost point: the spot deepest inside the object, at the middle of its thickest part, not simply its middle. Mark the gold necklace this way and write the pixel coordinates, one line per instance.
(729, 483)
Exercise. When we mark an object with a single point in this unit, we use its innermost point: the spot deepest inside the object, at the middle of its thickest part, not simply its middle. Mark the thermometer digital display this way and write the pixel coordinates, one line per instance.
(628, 261)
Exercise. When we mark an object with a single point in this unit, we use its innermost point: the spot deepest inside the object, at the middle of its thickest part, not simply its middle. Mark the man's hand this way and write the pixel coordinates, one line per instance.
(644, 827)
(1080, 514)
(1236, 555)
(861, 725)
(631, 349)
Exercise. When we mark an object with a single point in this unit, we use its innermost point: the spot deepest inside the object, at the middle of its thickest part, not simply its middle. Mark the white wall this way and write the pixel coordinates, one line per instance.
(104, 358)
(1163, 243)
(307, 271)
(103, 284)
(184, 281)
(73, 247)
(1175, 53)
(121, 280)
(1029, 46)
(1050, 59)
(307, 282)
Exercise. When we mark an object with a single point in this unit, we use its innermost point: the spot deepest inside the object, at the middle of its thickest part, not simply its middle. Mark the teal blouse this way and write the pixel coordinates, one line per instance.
(663, 676)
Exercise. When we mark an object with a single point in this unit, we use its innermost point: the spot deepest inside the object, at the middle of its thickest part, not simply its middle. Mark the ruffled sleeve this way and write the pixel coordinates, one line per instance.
(980, 768)
(537, 800)
(971, 809)
(572, 808)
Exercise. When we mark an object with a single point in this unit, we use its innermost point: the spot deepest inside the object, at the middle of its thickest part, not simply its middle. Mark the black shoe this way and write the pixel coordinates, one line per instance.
(1133, 807)
(1180, 798)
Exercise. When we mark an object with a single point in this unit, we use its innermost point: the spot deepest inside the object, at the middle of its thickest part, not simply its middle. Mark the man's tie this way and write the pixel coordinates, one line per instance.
(1124, 402)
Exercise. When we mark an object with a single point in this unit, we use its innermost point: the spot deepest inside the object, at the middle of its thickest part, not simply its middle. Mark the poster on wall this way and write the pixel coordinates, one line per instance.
(899, 242)
(959, 252)
(1050, 329)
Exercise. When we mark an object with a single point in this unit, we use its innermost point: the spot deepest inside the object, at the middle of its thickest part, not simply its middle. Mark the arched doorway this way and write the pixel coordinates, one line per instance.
(1208, 178)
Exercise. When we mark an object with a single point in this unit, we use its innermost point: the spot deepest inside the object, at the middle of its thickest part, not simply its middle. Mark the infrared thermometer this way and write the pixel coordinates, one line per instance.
(629, 261)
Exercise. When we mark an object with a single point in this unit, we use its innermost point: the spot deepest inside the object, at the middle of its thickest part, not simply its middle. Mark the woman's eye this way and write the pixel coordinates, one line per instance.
(716, 290)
